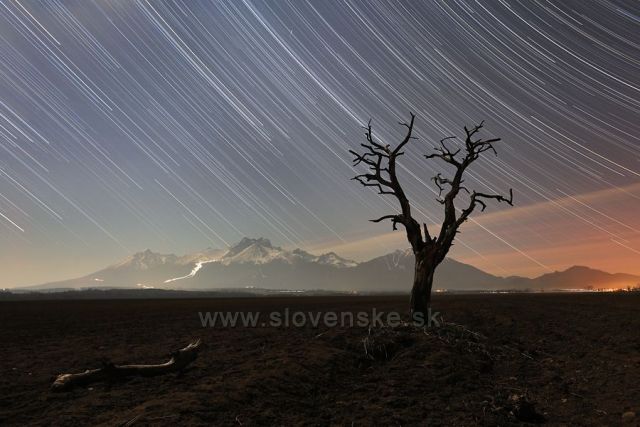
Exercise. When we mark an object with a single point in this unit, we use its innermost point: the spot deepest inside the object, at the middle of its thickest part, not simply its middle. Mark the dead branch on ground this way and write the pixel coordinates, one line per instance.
(109, 372)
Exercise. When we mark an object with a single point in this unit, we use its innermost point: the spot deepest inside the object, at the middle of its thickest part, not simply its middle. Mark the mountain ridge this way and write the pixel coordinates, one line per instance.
(255, 262)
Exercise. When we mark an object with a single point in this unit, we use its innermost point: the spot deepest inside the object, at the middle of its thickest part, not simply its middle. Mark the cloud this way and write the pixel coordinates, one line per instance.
(598, 229)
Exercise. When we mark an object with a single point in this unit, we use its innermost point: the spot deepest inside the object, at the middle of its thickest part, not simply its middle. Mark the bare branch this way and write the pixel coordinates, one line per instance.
(110, 372)
(473, 149)
(381, 160)
(427, 236)
(408, 137)
(395, 219)
(477, 199)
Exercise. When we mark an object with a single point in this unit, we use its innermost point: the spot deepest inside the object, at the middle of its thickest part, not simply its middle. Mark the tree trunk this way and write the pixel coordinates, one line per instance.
(422, 283)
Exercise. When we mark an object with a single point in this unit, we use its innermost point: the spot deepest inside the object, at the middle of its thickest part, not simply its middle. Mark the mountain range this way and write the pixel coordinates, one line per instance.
(256, 263)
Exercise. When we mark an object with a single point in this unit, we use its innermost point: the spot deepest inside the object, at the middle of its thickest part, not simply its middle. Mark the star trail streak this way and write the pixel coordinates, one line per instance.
(174, 126)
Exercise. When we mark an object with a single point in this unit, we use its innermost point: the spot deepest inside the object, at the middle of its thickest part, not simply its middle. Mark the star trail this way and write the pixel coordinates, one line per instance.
(174, 126)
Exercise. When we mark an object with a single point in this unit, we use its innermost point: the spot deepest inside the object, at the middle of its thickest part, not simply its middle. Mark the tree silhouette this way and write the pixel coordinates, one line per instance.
(429, 251)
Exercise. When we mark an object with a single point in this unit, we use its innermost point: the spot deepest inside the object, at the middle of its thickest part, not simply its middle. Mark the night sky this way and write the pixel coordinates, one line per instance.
(181, 125)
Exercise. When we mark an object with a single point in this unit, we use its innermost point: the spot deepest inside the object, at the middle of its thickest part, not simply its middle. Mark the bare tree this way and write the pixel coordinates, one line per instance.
(382, 175)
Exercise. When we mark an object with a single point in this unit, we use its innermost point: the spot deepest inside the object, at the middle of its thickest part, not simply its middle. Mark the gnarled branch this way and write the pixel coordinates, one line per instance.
(178, 362)
(477, 199)
(395, 219)
(429, 251)
(473, 148)
(381, 160)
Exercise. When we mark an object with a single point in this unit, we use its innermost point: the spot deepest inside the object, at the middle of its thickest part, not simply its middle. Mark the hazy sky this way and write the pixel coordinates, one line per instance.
(180, 125)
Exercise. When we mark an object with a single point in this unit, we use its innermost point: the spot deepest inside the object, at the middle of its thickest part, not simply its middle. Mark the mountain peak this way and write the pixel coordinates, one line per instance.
(257, 262)
(261, 251)
(580, 268)
(249, 248)
(145, 254)
(248, 241)
(146, 259)
(331, 258)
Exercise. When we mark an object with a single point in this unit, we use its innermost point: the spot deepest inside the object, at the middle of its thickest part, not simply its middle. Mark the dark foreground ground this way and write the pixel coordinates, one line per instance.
(553, 359)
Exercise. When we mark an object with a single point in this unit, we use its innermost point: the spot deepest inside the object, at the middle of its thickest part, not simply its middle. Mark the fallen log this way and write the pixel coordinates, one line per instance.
(109, 372)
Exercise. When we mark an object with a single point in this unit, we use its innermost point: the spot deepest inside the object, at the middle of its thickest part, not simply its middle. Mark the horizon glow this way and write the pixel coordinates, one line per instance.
(179, 126)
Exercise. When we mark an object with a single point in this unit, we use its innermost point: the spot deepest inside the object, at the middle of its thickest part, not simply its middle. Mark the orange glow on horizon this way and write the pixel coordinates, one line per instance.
(596, 229)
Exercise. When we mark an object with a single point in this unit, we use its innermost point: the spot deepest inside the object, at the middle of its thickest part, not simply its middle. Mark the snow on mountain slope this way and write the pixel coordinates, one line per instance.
(207, 255)
(257, 263)
(256, 252)
(260, 251)
(145, 260)
(332, 258)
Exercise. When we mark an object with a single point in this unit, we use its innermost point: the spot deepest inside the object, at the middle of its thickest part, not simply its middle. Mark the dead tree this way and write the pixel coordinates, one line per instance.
(382, 175)
(109, 372)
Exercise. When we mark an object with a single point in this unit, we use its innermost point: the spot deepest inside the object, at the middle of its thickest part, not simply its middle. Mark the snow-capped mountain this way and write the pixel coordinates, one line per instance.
(331, 258)
(260, 251)
(256, 251)
(145, 260)
(257, 263)
(208, 254)
(243, 264)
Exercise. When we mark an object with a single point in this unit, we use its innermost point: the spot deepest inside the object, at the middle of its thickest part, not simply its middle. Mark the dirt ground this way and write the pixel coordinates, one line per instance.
(555, 359)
